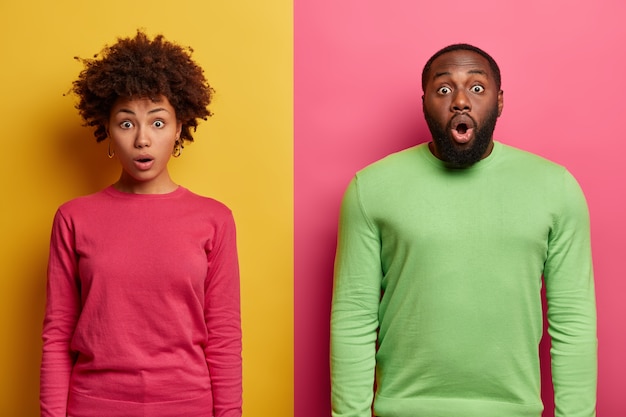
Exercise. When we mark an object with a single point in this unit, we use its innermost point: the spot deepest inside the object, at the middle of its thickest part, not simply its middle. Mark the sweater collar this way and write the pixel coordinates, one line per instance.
(497, 146)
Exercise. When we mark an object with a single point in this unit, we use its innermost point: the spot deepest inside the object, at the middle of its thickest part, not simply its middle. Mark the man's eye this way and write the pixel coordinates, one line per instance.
(444, 90)
(158, 124)
(126, 125)
(478, 89)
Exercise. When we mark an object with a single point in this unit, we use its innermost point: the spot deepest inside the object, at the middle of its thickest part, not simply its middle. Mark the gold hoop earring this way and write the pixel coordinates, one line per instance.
(178, 148)
(109, 153)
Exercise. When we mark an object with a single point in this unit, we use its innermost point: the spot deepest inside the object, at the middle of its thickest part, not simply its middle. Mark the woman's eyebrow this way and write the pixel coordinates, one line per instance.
(129, 111)
(158, 109)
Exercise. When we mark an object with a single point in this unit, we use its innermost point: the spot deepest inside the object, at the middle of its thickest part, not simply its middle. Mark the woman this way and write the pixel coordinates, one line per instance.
(142, 315)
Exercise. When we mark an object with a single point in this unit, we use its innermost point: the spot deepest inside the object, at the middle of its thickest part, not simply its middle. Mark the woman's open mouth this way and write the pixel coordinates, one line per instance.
(144, 163)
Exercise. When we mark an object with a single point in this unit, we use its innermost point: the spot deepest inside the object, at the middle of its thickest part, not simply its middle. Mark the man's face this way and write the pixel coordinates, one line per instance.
(461, 105)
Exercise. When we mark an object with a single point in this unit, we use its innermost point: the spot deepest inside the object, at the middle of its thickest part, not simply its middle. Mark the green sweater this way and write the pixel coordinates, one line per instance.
(437, 288)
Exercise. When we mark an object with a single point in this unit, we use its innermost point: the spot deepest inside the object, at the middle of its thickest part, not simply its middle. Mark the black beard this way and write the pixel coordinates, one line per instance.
(462, 158)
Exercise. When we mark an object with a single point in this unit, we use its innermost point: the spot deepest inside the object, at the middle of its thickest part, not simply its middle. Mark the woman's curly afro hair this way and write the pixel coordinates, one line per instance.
(140, 67)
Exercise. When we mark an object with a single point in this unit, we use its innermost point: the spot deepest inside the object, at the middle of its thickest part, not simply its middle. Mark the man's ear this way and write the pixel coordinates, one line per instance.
(500, 102)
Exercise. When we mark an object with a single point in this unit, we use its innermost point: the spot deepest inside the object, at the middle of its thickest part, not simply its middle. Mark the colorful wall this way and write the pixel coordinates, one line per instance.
(241, 156)
(357, 98)
(308, 92)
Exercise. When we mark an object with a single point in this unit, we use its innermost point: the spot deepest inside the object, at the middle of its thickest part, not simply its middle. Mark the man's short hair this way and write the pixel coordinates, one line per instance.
(462, 47)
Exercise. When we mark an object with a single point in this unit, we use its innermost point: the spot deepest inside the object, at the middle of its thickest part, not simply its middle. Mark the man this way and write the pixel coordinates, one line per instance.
(441, 252)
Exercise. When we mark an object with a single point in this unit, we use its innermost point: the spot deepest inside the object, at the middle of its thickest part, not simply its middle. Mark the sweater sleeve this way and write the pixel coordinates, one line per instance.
(61, 314)
(223, 320)
(568, 275)
(354, 316)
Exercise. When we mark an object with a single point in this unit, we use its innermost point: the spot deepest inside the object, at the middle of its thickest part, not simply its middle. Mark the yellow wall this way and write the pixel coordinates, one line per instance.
(242, 156)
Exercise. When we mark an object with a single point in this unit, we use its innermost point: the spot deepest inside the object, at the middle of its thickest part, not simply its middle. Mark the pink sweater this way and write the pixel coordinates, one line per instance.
(142, 315)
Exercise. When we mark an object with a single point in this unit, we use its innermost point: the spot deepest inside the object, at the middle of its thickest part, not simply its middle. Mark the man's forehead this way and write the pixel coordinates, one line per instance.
(460, 61)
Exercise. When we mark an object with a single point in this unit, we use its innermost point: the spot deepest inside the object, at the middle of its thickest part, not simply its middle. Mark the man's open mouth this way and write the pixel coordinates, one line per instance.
(461, 128)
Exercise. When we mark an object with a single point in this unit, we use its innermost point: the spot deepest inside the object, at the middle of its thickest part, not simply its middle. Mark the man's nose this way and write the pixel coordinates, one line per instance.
(461, 102)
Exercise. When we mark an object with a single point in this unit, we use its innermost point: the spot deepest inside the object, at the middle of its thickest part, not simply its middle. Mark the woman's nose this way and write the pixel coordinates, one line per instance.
(142, 138)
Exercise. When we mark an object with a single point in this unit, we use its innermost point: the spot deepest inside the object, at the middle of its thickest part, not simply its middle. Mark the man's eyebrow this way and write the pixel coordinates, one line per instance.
(472, 71)
(441, 74)
(478, 71)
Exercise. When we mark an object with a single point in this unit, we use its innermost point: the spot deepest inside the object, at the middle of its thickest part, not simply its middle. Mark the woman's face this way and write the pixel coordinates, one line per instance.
(143, 132)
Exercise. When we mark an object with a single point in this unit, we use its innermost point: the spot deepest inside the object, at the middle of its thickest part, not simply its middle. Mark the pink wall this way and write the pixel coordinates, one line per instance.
(357, 98)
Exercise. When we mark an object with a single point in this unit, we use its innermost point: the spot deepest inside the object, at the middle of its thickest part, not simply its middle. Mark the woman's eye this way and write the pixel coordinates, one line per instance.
(444, 90)
(478, 89)
(159, 124)
(126, 125)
